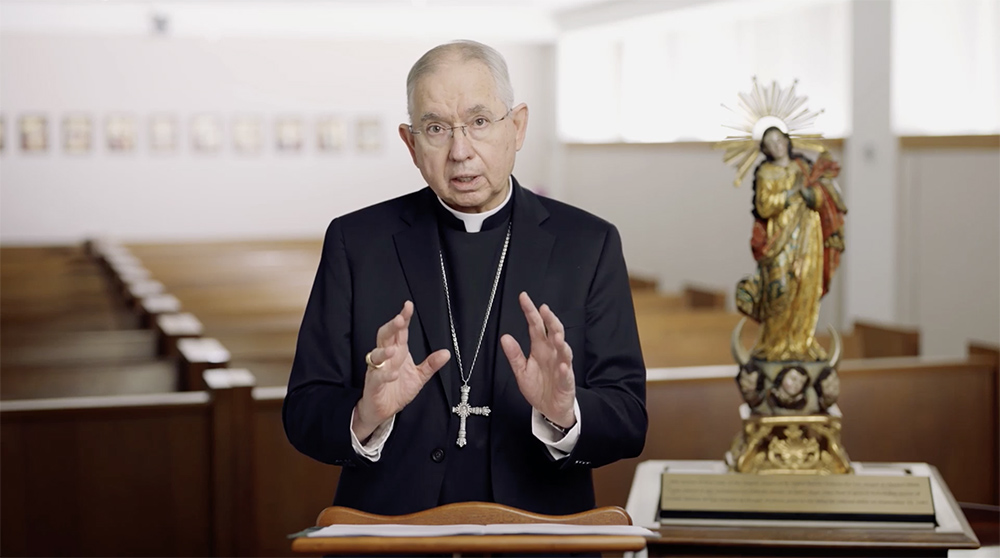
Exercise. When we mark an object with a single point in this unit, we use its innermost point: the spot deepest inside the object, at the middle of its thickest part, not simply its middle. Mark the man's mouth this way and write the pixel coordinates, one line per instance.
(464, 180)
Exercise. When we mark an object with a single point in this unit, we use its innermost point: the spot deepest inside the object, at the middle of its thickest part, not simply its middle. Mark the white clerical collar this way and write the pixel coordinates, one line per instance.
(474, 221)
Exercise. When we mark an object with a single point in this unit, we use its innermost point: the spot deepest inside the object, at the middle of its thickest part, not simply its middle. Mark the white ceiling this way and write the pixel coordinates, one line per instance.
(508, 20)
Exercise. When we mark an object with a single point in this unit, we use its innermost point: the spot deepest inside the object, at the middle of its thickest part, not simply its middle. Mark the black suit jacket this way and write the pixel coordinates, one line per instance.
(375, 259)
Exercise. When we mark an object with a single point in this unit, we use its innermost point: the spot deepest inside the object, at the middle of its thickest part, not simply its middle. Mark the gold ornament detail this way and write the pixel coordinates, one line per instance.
(804, 445)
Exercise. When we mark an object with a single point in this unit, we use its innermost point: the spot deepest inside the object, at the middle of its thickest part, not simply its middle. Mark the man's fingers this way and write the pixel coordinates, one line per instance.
(433, 363)
(566, 352)
(403, 334)
(551, 321)
(514, 354)
(536, 327)
(386, 334)
(379, 355)
(406, 313)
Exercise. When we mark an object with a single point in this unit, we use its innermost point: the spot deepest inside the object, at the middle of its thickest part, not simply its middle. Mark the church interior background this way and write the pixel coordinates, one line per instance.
(173, 123)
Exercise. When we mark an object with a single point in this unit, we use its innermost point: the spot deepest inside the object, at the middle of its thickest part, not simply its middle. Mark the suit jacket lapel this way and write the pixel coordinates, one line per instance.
(530, 252)
(418, 248)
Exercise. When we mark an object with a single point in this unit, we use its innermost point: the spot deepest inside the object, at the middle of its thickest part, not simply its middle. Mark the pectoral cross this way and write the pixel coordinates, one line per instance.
(464, 411)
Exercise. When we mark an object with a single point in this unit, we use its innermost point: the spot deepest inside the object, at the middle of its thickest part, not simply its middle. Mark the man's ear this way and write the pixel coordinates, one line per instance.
(519, 115)
(407, 137)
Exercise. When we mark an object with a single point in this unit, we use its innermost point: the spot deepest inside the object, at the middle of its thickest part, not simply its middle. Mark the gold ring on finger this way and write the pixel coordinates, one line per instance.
(368, 361)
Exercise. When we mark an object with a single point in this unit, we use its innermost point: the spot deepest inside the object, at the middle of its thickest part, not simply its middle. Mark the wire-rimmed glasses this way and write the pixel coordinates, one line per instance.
(438, 135)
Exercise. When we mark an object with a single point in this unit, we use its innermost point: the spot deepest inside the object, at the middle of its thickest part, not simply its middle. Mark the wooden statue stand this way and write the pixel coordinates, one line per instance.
(786, 538)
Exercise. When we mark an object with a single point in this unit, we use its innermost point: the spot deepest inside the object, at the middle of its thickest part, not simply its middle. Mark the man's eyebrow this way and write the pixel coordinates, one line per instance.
(470, 111)
(477, 109)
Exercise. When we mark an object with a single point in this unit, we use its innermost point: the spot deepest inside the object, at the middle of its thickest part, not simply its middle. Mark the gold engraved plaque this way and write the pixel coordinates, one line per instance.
(833, 497)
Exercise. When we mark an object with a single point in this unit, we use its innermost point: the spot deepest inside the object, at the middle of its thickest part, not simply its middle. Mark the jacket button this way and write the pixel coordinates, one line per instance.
(437, 456)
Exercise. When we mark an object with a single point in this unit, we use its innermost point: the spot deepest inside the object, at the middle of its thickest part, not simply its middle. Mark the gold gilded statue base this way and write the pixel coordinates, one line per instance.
(801, 445)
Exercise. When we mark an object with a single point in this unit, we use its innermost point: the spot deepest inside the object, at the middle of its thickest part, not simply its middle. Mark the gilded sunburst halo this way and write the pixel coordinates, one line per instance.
(759, 109)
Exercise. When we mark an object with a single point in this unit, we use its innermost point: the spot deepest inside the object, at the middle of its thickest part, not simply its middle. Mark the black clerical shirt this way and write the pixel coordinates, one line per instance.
(471, 261)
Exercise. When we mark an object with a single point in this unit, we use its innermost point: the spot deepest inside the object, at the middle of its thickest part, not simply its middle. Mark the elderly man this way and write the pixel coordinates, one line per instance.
(398, 374)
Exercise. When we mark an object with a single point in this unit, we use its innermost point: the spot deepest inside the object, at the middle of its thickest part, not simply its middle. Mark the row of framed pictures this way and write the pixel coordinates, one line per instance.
(206, 131)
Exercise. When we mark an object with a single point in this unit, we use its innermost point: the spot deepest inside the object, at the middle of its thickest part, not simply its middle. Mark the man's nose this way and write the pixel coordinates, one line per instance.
(461, 145)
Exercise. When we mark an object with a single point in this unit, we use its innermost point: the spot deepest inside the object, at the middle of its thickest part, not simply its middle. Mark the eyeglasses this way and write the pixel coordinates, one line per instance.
(438, 135)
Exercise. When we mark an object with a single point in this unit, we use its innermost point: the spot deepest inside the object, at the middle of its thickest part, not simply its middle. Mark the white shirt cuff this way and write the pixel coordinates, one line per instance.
(559, 445)
(372, 451)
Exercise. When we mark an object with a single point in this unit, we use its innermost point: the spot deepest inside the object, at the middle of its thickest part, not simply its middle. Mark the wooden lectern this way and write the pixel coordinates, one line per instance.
(476, 513)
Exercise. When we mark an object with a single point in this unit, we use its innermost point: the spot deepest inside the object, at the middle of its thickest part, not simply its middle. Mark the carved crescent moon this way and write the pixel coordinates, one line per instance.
(740, 353)
(835, 347)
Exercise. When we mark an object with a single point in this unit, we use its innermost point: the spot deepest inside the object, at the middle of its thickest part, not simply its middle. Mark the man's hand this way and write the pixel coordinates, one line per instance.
(397, 380)
(546, 377)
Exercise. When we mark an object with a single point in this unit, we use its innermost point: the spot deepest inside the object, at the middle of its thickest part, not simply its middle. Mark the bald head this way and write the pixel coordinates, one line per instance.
(461, 51)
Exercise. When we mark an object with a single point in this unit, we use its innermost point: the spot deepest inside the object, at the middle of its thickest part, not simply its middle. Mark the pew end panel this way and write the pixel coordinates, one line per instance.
(196, 355)
(171, 328)
(288, 487)
(107, 476)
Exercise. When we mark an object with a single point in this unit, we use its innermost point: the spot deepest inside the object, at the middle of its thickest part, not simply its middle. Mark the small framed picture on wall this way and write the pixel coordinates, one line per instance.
(369, 134)
(248, 134)
(331, 133)
(121, 132)
(288, 134)
(162, 133)
(206, 133)
(78, 134)
(34, 132)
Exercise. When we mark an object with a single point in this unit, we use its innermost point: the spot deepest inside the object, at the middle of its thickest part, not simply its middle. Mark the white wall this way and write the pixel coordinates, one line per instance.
(56, 197)
(951, 246)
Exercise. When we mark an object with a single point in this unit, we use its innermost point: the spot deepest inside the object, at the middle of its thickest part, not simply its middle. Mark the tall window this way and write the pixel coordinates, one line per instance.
(663, 77)
(945, 67)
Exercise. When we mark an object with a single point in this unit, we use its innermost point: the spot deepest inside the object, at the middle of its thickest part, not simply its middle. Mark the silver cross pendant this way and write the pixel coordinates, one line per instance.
(464, 411)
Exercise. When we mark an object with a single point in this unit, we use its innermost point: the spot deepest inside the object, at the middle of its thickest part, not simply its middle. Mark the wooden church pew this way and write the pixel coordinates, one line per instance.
(54, 289)
(290, 489)
(35, 347)
(137, 475)
(107, 476)
(883, 340)
(696, 297)
(74, 350)
(699, 338)
(200, 473)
